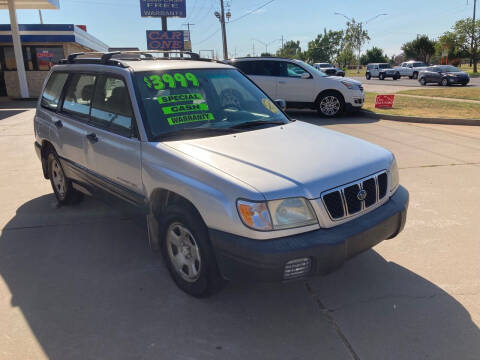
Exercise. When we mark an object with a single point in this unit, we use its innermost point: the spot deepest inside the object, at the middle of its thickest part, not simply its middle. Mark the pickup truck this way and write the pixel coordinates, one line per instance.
(411, 68)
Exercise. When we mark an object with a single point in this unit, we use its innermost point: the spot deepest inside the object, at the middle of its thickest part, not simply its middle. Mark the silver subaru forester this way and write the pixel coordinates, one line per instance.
(233, 189)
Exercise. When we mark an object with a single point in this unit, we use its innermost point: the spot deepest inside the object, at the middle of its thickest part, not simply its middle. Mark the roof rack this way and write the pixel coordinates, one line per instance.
(115, 57)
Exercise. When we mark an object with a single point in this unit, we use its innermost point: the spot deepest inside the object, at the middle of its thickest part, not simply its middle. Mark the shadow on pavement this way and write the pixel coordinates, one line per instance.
(312, 117)
(89, 288)
(5, 113)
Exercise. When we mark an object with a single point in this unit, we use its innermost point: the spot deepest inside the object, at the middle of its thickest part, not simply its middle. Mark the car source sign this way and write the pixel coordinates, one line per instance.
(384, 101)
(165, 40)
(159, 8)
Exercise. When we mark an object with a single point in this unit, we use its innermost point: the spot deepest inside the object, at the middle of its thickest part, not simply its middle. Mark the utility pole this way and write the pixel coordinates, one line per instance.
(41, 17)
(224, 30)
(282, 41)
(473, 47)
(189, 33)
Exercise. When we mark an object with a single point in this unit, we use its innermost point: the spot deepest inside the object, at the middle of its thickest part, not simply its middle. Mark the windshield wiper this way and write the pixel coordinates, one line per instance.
(251, 124)
(193, 131)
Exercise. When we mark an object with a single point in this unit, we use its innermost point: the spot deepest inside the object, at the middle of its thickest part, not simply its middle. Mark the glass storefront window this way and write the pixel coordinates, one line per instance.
(48, 56)
(35, 57)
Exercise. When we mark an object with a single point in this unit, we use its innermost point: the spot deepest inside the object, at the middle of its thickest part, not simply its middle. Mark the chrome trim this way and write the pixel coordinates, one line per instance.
(363, 208)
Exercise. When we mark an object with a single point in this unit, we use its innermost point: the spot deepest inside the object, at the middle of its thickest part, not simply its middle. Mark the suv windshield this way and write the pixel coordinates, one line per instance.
(203, 102)
(384, 66)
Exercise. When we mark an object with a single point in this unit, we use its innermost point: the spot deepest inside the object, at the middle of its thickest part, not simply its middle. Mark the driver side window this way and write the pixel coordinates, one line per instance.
(295, 71)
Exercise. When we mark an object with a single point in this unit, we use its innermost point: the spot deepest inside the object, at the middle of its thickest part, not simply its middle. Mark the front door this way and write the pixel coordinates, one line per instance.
(295, 84)
(113, 147)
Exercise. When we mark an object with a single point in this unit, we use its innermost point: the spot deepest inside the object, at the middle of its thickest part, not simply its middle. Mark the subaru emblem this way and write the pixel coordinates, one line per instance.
(362, 195)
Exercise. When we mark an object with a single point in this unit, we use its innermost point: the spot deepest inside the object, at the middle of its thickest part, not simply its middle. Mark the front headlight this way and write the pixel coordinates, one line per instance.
(276, 214)
(394, 176)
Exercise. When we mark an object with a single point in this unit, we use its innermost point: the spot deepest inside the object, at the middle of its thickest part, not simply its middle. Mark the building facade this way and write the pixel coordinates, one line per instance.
(43, 46)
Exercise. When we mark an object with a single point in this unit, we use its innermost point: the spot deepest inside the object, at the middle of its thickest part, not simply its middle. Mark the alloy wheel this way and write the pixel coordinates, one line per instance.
(330, 105)
(58, 179)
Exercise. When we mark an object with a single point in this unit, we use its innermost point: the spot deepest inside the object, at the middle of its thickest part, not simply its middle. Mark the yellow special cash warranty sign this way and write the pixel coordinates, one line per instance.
(270, 106)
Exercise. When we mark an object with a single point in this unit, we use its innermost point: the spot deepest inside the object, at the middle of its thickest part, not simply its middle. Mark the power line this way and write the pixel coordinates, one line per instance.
(252, 11)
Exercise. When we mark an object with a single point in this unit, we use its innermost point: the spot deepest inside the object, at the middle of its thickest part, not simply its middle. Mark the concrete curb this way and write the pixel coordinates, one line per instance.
(412, 119)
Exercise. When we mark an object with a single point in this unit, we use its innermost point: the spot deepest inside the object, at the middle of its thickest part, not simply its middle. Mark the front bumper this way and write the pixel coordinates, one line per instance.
(241, 258)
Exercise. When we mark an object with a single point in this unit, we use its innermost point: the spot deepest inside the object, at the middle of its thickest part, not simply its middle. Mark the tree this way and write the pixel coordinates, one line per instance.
(374, 55)
(355, 37)
(345, 57)
(422, 48)
(266, 54)
(468, 34)
(325, 47)
(291, 49)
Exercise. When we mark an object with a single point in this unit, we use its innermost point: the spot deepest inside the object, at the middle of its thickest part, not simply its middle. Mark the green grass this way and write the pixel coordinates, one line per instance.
(428, 108)
(469, 69)
(353, 72)
(450, 92)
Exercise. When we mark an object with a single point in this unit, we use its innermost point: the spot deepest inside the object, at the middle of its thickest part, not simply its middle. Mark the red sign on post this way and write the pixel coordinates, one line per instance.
(384, 101)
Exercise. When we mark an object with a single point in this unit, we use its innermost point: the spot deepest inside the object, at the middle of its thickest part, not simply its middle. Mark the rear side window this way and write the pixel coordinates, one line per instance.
(261, 68)
(111, 107)
(79, 95)
(53, 90)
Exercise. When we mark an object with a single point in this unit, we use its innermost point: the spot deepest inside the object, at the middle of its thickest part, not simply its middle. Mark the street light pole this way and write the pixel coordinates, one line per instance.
(473, 47)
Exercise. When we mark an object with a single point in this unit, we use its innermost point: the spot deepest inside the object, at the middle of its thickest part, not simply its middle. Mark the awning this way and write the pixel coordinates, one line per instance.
(32, 4)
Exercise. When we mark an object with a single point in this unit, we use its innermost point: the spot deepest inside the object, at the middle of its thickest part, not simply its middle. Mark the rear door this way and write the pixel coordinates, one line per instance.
(264, 73)
(71, 121)
(294, 85)
(112, 142)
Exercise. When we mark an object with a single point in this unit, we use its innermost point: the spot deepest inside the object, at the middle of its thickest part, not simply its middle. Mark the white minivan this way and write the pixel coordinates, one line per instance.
(301, 85)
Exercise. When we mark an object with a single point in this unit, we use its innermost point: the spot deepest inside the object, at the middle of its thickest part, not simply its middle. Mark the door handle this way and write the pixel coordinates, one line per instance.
(58, 124)
(92, 138)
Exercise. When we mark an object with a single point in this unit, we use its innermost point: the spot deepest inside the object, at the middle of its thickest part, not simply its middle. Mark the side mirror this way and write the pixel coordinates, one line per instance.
(305, 75)
(282, 104)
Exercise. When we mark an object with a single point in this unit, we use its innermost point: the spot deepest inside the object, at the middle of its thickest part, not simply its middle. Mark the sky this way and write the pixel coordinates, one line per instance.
(118, 22)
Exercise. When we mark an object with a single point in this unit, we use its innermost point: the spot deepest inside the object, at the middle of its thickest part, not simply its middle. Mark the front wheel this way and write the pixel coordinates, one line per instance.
(381, 76)
(62, 186)
(368, 76)
(423, 82)
(331, 104)
(444, 82)
(415, 75)
(187, 251)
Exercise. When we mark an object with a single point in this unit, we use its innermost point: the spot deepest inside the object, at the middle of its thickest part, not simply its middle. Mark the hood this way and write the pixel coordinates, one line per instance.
(458, 73)
(297, 159)
(345, 79)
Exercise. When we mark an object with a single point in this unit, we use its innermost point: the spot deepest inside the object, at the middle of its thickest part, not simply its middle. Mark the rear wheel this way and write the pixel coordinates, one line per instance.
(396, 76)
(423, 82)
(62, 186)
(368, 76)
(331, 104)
(187, 251)
(415, 75)
(444, 82)
(381, 76)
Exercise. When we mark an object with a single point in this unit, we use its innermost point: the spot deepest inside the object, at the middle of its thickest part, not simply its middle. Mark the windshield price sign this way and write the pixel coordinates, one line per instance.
(165, 40)
(159, 8)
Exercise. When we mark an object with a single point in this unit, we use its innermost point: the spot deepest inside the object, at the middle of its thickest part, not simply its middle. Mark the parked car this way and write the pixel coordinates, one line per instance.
(444, 75)
(381, 71)
(411, 68)
(232, 187)
(301, 85)
(329, 69)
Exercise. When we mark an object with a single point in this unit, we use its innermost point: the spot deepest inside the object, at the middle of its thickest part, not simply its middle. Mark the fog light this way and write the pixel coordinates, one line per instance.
(297, 268)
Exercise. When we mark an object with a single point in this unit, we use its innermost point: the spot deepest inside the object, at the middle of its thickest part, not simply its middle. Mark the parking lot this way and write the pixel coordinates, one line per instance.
(81, 283)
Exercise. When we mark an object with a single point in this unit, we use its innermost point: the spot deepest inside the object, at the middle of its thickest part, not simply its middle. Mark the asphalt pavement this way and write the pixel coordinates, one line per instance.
(81, 283)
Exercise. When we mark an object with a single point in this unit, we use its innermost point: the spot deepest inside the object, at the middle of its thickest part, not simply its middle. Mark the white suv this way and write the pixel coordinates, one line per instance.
(301, 85)
(227, 181)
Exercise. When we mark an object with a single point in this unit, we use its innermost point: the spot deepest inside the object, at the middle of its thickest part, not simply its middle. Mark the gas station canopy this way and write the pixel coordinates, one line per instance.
(31, 4)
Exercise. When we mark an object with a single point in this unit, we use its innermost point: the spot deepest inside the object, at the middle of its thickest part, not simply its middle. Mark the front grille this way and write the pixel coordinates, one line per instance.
(354, 198)
(360, 87)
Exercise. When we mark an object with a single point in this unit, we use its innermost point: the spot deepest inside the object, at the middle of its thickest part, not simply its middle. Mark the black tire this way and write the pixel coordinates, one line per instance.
(410, 77)
(423, 82)
(444, 82)
(381, 76)
(464, 84)
(368, 76)
(208, 280)
(415, 75)
(64, 191)
(327, 97)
